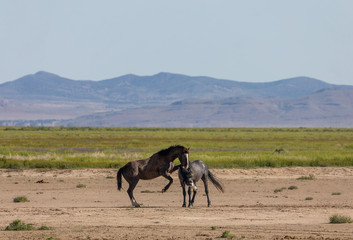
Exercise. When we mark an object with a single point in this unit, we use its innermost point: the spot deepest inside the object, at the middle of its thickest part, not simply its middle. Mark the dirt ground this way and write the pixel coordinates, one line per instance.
(249, 208)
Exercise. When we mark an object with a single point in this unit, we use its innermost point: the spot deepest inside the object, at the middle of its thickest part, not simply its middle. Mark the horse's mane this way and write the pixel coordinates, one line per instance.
(165, 152)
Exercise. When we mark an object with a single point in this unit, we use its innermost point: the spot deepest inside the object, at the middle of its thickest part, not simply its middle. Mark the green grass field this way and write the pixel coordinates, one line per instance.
(71, 147)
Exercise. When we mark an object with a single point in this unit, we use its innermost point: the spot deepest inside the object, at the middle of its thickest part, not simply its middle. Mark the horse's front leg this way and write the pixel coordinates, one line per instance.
(184, 194)
(191, 200)
(167, 176)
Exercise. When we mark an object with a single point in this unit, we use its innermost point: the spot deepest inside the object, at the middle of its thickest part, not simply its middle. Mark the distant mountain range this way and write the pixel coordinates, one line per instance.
(174, 100)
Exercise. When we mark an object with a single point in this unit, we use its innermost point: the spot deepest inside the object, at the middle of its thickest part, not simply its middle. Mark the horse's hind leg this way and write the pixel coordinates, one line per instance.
(132, 185)
(205, 182)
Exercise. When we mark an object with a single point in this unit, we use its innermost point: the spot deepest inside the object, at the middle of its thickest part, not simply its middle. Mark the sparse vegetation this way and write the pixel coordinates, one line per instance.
(309, 198)
(147, 191)
(43, 227)
(90, 147)
(80, 185)
(292, 187)
(310, 177)
(279, 190)
(336, 193)
(21, 199)
(18, 225)
(213, 227)
(340, 219)
(226, 234)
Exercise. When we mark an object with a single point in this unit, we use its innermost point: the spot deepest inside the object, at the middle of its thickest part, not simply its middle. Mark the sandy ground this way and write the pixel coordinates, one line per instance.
(249, 208)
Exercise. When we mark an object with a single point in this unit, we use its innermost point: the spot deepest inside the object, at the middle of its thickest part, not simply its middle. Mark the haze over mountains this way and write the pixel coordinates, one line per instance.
(174, 100)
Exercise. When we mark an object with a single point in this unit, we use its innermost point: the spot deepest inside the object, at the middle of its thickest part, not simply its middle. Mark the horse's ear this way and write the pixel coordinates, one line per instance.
(188, 149)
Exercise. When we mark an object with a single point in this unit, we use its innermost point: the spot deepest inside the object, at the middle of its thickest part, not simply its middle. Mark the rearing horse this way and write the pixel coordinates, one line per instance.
(159, 164)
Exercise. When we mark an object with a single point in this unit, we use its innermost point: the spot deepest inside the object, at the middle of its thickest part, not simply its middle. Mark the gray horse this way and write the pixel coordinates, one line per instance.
(189, 176)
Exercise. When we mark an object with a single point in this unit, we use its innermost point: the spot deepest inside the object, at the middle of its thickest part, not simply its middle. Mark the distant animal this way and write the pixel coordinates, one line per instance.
(189, 176)
(159, 164)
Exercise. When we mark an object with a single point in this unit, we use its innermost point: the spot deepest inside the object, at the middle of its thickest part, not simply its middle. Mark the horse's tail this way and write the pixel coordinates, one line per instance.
(215, 182)
(118, 177)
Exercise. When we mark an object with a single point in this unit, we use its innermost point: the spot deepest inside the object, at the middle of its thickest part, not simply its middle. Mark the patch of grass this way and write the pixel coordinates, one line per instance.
(279, 190)
(80, 185)
(336, 193)
(43, 227)
(310, 177)
(18, 225)
(292, 187)
(309, 198)
(213, 227)
(147, 191)
(92, 147)
(226, 234)
(21, 199)
(340, 219)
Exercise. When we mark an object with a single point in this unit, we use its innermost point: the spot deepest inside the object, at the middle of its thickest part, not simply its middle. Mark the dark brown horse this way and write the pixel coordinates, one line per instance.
(159, 164)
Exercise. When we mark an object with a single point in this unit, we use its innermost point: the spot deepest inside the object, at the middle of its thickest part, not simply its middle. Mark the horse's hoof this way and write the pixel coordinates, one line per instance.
(184, 205)
(136, 204)
(163, 190)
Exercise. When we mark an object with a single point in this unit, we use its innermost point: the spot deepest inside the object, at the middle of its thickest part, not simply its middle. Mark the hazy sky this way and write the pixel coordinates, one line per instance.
(248, 40)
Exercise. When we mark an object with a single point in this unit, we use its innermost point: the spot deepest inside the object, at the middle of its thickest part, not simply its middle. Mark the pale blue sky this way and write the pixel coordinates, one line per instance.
(249, 40)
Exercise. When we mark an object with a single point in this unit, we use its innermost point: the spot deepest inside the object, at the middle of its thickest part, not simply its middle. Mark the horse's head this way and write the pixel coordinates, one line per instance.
(184, 157)
(187, 177)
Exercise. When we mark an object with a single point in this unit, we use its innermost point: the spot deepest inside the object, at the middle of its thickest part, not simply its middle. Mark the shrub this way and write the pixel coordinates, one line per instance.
(21, 199)
(340, 219)
(292, 188)
(81, 185)
(226, 234)
(18, 225)
(309, 198)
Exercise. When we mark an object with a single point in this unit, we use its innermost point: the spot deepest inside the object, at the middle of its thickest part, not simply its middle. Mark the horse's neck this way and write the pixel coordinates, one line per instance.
(172, 156)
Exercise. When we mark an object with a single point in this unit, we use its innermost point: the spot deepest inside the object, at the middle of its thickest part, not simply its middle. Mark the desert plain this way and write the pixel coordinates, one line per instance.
(263, 203)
